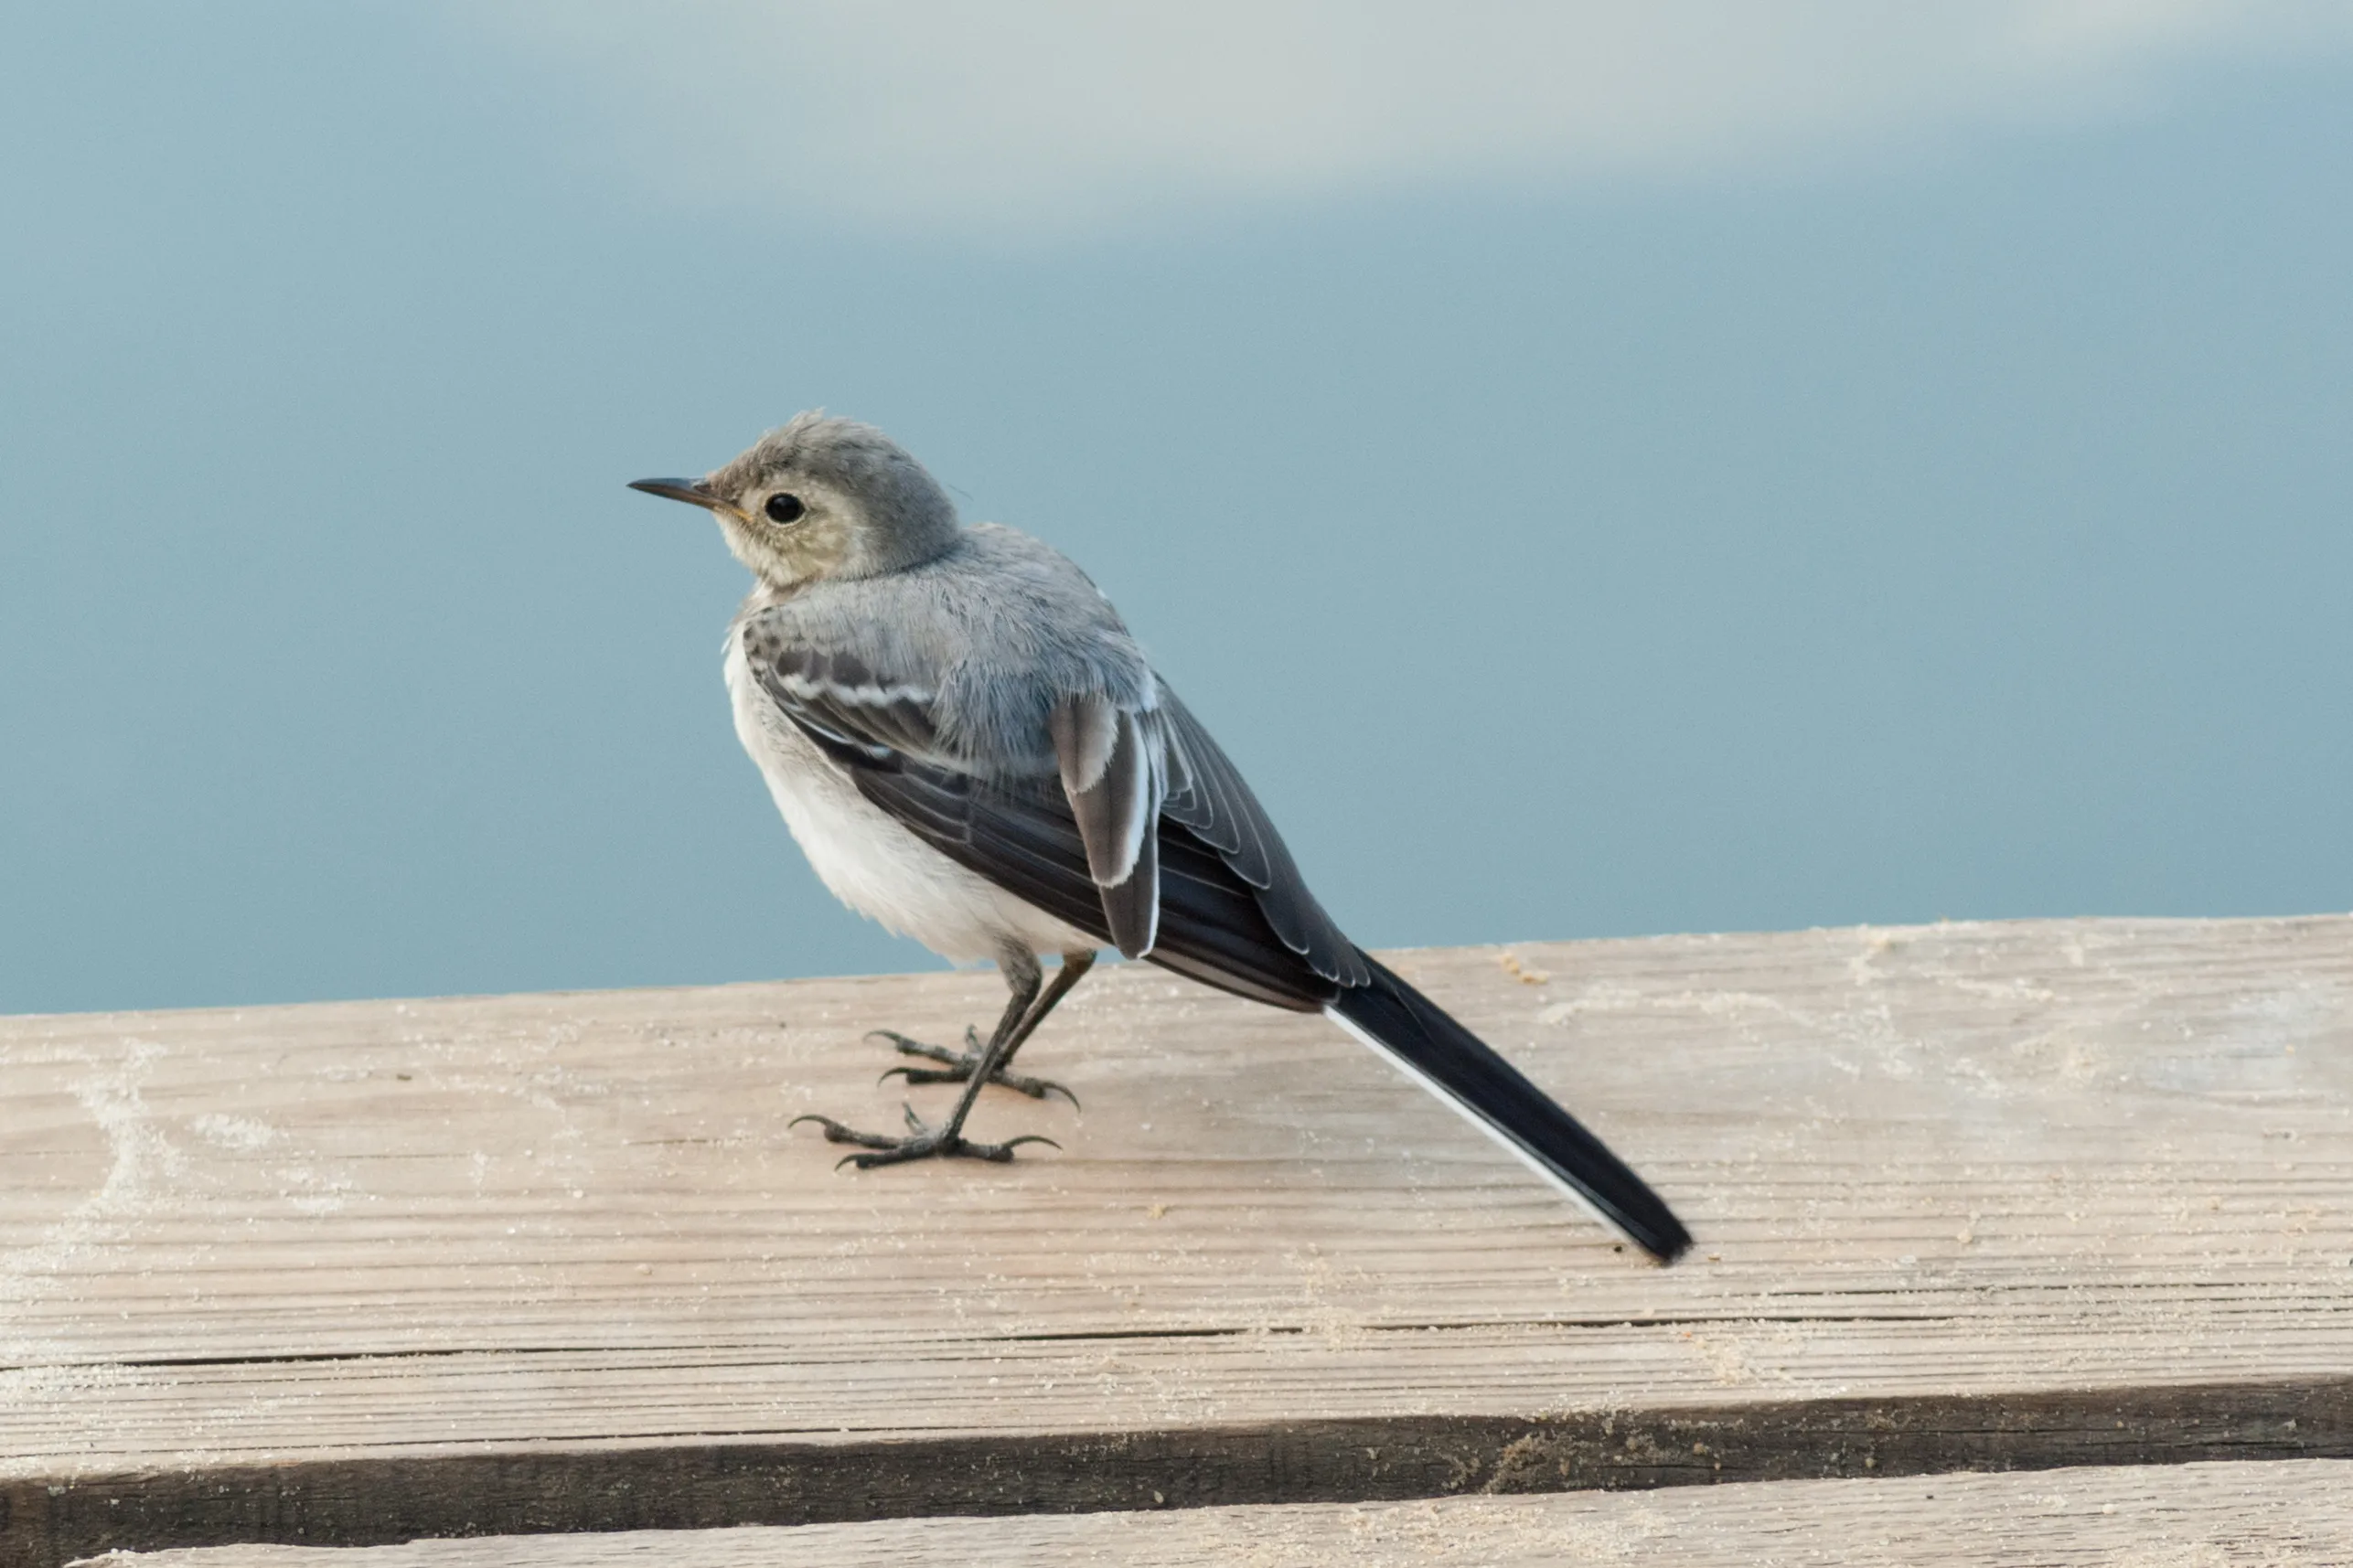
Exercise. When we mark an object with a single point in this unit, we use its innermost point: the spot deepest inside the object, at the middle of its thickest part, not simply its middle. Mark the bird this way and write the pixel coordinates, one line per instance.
(971, 748)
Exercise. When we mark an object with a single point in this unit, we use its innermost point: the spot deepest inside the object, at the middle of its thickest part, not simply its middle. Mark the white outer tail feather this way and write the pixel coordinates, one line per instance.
(1462, 1109)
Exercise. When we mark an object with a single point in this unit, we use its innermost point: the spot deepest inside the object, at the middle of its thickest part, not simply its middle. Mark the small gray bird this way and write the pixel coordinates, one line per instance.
(972, 750)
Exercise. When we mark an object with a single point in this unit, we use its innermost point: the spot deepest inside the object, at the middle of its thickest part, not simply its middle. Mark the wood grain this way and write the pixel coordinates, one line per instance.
(2185, 1516)
(1972, 1194)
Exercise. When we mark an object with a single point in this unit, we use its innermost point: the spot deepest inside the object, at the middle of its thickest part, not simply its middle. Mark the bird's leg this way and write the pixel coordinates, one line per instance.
(1022, 977)
(959, 1064)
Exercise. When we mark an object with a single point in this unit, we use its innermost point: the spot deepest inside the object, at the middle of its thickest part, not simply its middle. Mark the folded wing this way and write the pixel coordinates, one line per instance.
(1144, 836)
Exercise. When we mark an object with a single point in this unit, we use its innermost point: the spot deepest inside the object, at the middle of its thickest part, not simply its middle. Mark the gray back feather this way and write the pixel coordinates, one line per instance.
(994, 630)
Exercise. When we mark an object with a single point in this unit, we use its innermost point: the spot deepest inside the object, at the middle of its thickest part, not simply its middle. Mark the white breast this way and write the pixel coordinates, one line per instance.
(871, 863)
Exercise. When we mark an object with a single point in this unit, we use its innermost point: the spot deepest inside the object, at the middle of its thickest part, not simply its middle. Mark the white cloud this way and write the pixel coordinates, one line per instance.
(1055, 115)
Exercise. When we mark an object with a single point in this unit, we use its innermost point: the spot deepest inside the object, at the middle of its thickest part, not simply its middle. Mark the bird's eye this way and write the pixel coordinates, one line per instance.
(783, 507)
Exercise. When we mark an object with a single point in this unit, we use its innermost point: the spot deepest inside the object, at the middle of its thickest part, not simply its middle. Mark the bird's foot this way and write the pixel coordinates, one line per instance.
(959, 1066)
(921, 1142)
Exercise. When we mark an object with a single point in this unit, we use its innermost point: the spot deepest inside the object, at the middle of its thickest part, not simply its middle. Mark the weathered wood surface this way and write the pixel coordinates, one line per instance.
(2014, 1194)
(2178, 1515)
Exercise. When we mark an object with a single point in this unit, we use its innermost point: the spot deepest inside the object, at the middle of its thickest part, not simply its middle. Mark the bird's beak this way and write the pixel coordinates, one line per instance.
(693, 492)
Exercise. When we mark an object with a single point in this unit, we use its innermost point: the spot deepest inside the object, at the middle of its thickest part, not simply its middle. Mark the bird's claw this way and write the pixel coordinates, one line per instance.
(959, 1065)
(922, 1142)
(907, 1047)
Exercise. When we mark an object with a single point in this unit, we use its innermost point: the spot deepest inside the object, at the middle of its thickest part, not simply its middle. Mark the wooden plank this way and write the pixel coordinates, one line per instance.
(1997, 1195)
(2182, 1516)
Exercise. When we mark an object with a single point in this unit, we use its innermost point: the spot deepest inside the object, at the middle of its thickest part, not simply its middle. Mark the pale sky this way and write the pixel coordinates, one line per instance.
(1015, 118)
(1599, 469)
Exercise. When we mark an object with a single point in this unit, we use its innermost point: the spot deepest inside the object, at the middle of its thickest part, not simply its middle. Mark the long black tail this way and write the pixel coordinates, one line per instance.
(1458, 1066)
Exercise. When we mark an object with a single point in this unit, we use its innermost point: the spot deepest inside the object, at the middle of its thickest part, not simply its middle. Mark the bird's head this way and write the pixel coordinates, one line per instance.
(822, 498)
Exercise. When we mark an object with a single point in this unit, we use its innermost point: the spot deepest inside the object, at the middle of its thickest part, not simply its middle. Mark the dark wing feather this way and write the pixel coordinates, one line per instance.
(1109, 761)
(1206, 794)
(842, 701)
(1024, 837)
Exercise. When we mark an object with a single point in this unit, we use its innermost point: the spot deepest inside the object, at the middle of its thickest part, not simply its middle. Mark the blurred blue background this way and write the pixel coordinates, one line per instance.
(1918, 510)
